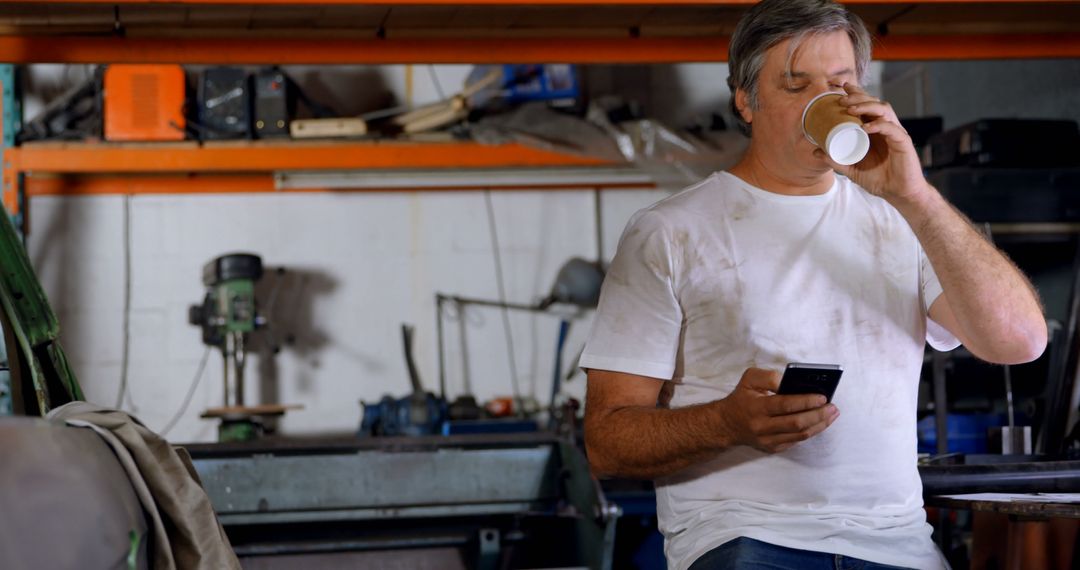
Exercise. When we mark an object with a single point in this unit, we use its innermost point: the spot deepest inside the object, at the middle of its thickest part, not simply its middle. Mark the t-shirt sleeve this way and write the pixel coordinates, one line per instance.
(938, 336)
(638, 320)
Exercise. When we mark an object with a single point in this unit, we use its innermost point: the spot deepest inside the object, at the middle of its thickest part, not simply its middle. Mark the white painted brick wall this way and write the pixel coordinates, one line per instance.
(370, 260)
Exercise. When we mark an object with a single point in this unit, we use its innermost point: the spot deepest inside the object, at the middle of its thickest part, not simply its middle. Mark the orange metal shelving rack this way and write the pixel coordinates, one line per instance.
(494, 31)
(430, 31)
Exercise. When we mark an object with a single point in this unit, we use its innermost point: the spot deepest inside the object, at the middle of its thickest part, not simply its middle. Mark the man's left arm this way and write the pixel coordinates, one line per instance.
(986, 302)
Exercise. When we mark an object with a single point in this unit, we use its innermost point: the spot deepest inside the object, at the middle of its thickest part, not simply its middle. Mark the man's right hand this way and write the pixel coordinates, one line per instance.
(754, 415)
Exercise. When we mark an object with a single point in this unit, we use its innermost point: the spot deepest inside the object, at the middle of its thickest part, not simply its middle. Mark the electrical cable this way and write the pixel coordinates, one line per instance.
(125, 357)
(502, 299)
(435, 81)
(318, 109)
(191, 392)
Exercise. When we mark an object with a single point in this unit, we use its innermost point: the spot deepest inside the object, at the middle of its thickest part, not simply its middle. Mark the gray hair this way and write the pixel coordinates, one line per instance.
(772, 21)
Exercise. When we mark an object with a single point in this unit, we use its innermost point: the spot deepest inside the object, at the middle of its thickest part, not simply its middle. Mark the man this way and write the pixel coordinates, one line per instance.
(790, 257)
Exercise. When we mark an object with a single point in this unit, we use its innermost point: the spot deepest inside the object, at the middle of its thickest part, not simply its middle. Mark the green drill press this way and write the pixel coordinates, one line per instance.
(227, 315)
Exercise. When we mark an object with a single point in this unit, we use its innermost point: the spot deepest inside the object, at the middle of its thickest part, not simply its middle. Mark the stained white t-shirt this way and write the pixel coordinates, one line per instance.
(724, 276)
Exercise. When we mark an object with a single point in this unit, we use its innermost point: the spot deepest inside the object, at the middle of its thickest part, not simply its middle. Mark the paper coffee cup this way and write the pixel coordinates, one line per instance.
(827, 124)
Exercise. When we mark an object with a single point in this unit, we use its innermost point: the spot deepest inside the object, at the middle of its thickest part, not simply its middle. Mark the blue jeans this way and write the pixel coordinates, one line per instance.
(749, 554)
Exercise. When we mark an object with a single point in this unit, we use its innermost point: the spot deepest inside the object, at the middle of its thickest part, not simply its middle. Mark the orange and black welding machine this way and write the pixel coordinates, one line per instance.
(144, 103)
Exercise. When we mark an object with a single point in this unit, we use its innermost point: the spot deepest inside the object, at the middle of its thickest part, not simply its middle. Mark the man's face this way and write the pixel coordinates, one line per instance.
(823, 62)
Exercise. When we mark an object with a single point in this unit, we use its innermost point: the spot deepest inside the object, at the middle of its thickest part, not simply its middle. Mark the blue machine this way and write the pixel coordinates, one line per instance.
(966, 433)
(420, 413)
(555, 83)
(551, 82)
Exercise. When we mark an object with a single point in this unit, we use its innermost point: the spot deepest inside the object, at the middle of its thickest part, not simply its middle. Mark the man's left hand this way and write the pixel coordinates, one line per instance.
(891, 168)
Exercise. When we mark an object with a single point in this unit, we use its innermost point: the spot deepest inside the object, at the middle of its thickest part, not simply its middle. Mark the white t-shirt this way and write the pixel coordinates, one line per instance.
(724, 276)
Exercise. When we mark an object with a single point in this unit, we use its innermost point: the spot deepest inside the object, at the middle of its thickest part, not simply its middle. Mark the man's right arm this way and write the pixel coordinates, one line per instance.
(628, 435)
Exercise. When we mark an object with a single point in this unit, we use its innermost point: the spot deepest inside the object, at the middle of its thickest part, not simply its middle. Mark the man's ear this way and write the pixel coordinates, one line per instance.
(742, 103)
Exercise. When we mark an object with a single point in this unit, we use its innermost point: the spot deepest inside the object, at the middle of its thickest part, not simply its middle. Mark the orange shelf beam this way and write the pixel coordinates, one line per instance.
(92, 49)
(101, 185)
(657, 3)
(217, 167)
(74, 49)
(106, 185)
(981, 46)
(256, 157)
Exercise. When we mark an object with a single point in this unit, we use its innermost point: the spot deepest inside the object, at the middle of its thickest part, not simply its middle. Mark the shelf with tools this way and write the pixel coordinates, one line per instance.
(260, 166)
(495, 31)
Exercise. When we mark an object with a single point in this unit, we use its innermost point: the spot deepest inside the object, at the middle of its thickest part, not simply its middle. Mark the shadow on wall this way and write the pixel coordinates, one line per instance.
(48, 242)
(348, 90)
(676, 105)
(287, 298)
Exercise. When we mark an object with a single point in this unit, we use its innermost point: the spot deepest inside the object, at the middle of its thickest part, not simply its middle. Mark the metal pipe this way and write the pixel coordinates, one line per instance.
(1052, 431)
(496, 304)
(556, 379)
(1071, 365)
(227, 353)
(599, 221)
(351, 545)
(463, 346)
(1009, 396)
(439, 334)
(240, 359)
(414, 376)
(941, 409)
(448, 540)
(1032, 477)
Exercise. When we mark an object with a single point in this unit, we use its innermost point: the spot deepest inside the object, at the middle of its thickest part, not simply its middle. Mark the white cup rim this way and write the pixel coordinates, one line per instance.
(861, 148)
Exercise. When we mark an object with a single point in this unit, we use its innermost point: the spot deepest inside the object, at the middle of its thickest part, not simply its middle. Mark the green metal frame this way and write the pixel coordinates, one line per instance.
(12, 123)
(596, 517)
(38, 363)
(5, 383)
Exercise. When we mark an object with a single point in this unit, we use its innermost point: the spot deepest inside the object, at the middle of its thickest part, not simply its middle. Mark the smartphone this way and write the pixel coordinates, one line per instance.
(805, 378)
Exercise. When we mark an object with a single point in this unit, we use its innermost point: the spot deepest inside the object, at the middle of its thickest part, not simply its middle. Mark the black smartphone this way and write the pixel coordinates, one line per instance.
(805, 378)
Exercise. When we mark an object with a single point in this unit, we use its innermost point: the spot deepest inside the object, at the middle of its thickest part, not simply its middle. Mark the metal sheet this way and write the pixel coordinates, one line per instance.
(1026, 477)
(374, 484)
(429, 559)
(345, 445)
(462, 178)
(484, 509)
